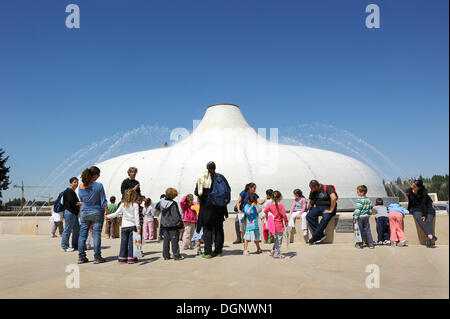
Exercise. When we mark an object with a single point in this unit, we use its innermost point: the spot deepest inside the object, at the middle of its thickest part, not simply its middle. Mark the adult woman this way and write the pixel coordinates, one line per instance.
(210, 217)
(421, 206)
(249, 189)
(72, 209)
(92, 194)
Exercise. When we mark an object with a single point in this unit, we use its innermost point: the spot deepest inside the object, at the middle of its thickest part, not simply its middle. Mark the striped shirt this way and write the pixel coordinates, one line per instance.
(363, 207)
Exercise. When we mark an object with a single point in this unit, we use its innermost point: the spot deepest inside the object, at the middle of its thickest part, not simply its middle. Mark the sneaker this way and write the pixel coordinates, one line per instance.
(83, 260)
(321, 239)
(179, 258)
(311, 241)
(272, 252)
(380, 243)
(305, 232)
(394, 244)
(217, 254)
(433, 241)
(371, 247)
(206, 256)
(279, 256)
(99, 260)
(402, 243)
(53, 236)
(387, 242)
(70, 249)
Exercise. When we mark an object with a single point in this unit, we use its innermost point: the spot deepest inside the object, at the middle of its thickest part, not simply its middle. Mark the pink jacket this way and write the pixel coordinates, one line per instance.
(189, 215)
(278, 217)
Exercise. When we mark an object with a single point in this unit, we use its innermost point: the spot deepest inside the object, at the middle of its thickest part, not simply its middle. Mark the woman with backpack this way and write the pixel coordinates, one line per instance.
(213, 192)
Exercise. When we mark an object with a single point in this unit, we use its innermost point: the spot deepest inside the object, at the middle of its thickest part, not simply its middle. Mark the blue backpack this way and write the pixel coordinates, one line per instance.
(220, 194)
(58, 206)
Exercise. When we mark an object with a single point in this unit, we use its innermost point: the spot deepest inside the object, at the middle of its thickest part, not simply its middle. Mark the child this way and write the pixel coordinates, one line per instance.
(252, 228)
(298, 210)
(396, 213)
(139, 200)
(189, 219)
(279, 214)
(157, 213)
(382, 220)
(148, 219)
(110, 225)
(129, 211)
(268, 238)
(172, 221)
(361, 215)
(197, 237)
(57, 219)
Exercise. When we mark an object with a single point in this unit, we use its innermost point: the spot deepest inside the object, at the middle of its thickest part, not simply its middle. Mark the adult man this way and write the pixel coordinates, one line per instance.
(131, 182)
(71, 210)
(212, 216)
(322, 202)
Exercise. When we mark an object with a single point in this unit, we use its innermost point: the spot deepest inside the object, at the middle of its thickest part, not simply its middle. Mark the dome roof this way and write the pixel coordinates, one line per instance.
(242, 156)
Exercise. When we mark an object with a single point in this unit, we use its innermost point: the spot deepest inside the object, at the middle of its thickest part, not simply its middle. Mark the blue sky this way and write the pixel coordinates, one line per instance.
(284, 63)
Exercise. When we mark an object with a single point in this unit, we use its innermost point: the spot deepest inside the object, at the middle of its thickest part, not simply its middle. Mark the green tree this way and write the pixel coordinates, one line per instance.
(14, 202)
(4, 171)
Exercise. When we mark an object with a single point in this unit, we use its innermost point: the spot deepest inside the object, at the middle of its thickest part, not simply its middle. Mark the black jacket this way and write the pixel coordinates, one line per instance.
(421, 202)
(70, 200)
(127, 184)
(209, 214)
(170, 214)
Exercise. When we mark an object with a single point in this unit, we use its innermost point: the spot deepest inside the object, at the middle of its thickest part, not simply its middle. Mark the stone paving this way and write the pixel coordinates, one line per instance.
(32, 266)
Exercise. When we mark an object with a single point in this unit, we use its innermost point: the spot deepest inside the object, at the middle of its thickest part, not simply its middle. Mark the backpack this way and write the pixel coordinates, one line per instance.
(221, 193)
(58, 206)
(333, 188)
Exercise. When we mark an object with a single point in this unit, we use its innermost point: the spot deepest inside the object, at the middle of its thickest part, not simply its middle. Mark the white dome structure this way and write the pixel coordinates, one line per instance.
(242, 156)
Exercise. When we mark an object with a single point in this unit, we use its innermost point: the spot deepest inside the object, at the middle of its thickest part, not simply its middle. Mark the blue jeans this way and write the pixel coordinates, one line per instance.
(364, 227)
(88, 218)
(71, 226)
(127, 245)
(313, 220)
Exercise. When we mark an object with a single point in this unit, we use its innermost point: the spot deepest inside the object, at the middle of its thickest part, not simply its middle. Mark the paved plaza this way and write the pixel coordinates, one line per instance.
(32, 266)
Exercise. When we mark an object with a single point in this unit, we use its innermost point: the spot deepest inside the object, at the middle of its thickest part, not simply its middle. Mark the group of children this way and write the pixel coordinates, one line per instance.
(275, 221)
(389, 221)
(137, 213)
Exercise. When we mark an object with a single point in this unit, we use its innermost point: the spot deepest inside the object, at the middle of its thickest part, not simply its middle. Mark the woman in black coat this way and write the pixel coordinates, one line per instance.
(421, 206)
(211, 217)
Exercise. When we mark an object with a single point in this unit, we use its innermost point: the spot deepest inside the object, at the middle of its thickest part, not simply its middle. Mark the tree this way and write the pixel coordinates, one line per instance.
(4, 177)
(14, 202)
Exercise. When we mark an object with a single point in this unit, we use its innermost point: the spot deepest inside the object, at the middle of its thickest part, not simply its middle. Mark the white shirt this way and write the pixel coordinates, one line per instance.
(147, 212)
(130, 215)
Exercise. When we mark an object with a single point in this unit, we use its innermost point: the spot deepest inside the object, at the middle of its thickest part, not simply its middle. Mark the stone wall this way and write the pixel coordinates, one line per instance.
(42, 226)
